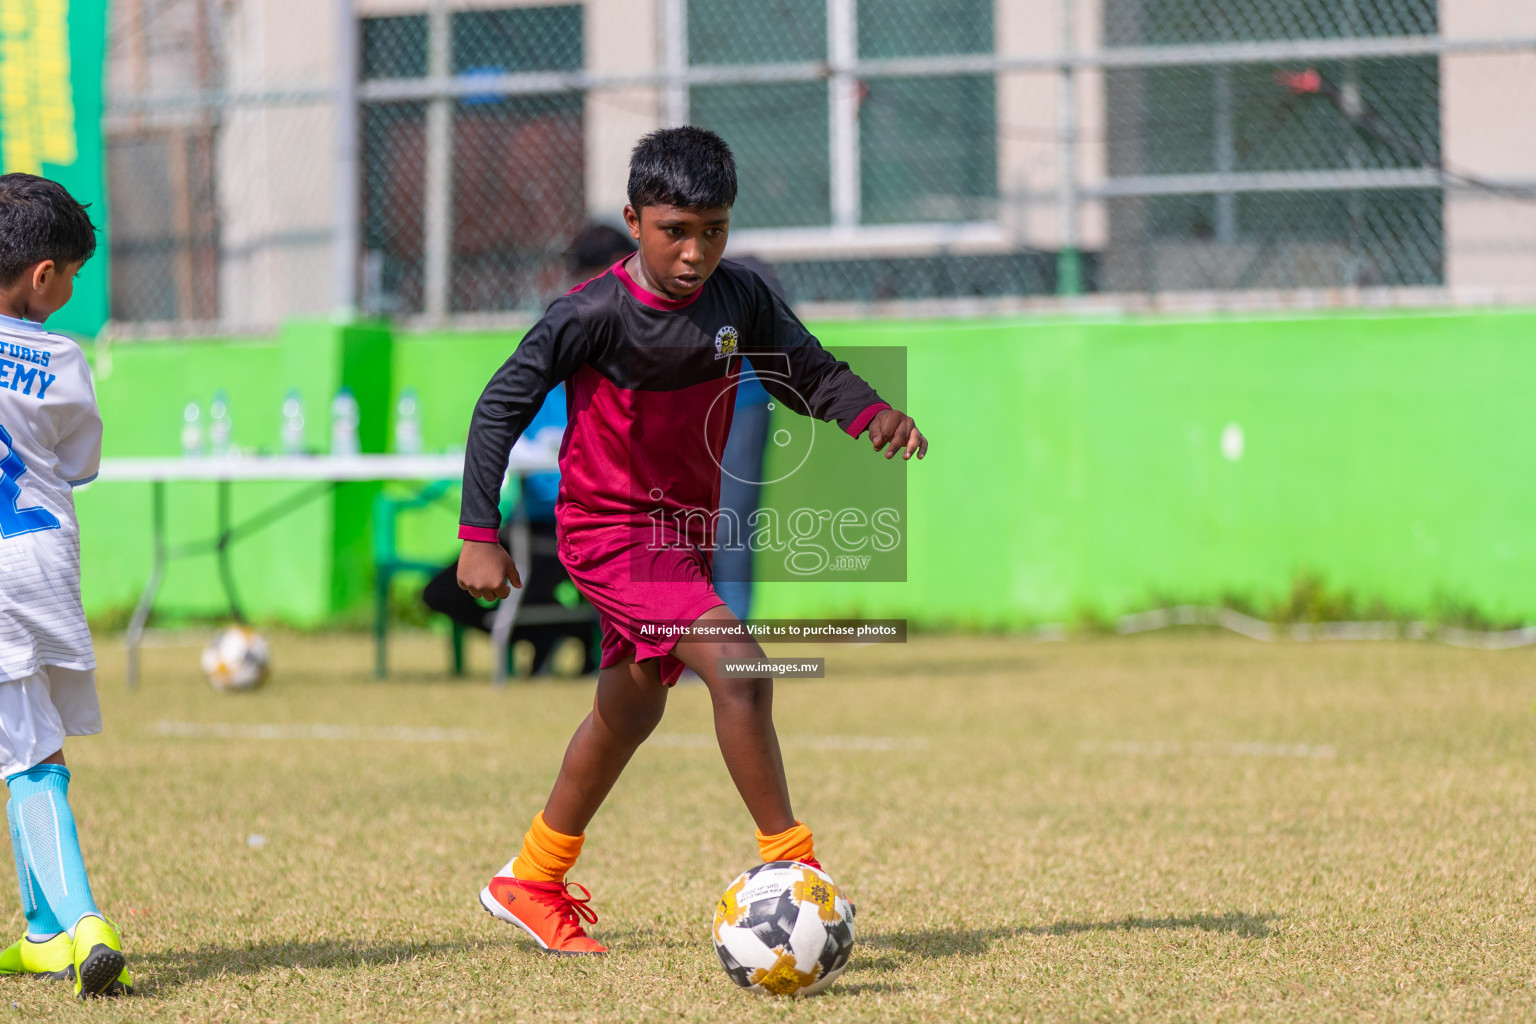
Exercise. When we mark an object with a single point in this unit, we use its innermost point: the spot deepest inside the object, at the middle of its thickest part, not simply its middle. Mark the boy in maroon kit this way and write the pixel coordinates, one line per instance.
(651, 352)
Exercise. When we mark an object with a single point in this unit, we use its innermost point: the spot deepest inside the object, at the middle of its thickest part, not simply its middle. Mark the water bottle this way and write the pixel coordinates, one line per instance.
(191, 431)
(293, 423)
(344, 417)
(219, 425)
(408, 424)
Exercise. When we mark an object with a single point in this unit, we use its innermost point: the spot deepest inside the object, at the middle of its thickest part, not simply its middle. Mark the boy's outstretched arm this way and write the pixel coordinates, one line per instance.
(806, 378)
(548, 354)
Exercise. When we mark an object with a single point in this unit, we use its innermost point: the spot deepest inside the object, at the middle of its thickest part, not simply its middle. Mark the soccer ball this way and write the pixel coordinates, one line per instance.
(784, 928)
(236, 659)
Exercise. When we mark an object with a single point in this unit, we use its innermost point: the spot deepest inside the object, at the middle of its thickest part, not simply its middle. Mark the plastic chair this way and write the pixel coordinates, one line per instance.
(512, 611)
(509, 612)
(387, 564)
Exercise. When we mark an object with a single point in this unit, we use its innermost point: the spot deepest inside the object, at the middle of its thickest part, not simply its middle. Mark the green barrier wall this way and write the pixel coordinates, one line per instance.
(311, 566)
(1077, 468)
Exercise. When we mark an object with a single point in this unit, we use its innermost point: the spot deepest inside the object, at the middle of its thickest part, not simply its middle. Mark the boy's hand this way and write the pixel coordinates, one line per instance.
(485, 569)
(895, 428)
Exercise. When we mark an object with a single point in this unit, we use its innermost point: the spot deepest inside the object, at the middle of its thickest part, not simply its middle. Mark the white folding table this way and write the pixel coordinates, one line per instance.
(325, 471)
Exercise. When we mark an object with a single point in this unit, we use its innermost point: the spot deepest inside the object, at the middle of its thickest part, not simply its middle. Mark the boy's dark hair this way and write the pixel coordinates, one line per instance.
(40, 221)
(687, 167)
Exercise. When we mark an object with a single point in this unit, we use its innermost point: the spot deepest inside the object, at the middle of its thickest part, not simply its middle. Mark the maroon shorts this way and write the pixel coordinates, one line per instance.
(638, 588)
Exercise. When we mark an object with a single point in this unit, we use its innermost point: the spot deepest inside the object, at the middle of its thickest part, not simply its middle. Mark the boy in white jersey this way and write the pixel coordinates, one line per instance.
(50, 442)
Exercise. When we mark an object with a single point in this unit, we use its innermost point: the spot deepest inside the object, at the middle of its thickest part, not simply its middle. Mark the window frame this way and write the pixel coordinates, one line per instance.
(843, 70)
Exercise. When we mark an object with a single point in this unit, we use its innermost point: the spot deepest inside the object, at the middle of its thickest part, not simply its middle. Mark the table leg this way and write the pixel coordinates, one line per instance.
(226, 574)
(156, 575)
(380, 623)
(506, 612)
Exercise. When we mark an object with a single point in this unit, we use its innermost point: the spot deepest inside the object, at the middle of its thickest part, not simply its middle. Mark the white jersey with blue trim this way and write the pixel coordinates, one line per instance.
(50, 443)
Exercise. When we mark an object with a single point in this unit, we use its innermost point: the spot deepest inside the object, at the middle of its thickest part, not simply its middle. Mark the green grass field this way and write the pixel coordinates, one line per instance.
(1174, 827)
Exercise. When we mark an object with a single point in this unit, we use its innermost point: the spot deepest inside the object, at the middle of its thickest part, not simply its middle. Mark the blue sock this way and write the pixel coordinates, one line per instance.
(41, 924)
(39, 810)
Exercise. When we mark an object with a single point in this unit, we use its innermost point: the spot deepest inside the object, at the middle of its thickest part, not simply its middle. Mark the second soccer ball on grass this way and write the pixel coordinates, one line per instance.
(236, 659)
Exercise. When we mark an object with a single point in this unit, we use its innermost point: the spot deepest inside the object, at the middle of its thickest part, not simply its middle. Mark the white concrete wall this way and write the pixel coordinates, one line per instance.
(1028, 150)
(1488, 126)
(275, 165)
(622, 37)
(276, 162)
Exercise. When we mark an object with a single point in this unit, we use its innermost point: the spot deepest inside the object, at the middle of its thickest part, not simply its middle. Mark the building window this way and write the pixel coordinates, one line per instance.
(756, 31)
(927, 147)
(394, 211)
(778, 133)
(1372, 124)
(1173, 22)
(517, 182)
(518, 39)
(778, 130)
(924, 28)
(395, 47)
(166, 240)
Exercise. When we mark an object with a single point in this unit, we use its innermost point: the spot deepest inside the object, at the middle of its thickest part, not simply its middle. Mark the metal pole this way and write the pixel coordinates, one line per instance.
(158, 558)
(1069, 269)
(439, 184)
(1354, 264)
(1226, 202)
(226, 535)
(843, 112)
(506, 613)
(674, 41)
(346, 210)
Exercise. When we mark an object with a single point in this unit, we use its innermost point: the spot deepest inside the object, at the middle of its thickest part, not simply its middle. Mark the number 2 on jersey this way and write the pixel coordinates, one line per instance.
(16, 521)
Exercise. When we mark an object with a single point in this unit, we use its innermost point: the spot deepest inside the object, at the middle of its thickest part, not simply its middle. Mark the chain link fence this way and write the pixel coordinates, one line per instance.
(433, 161)
(1279, 174)
(470, 196)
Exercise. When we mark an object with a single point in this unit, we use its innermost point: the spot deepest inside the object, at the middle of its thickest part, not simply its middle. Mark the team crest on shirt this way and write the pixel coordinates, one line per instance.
(726, 342)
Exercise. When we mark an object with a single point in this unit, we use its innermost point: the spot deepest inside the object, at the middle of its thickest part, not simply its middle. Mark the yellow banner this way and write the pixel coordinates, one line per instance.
(37, 107)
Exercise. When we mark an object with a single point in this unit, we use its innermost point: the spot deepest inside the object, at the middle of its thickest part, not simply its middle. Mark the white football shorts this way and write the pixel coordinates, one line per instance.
(38, 711)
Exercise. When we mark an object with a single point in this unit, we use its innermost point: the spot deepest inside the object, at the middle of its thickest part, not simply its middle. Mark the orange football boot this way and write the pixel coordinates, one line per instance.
(545, 910)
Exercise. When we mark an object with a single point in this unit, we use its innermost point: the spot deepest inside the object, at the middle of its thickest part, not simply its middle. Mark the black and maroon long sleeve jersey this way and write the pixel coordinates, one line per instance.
(651, 387)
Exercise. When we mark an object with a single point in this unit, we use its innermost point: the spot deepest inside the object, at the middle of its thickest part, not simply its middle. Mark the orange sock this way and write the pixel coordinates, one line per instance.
(794, 844)
(546, 854)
